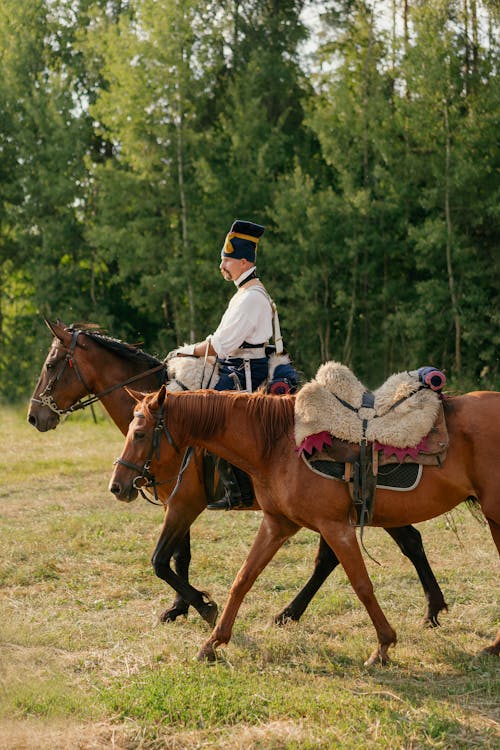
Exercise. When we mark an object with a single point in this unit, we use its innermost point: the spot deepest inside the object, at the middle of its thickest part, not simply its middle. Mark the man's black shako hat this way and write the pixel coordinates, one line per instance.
(242, 240)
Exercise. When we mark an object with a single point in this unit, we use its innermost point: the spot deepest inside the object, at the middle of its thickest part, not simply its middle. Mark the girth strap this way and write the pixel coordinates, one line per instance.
(364, 478)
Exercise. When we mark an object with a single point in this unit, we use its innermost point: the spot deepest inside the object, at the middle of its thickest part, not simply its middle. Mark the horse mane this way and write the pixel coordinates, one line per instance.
(272, 416)
(208, 412)
(130, 352)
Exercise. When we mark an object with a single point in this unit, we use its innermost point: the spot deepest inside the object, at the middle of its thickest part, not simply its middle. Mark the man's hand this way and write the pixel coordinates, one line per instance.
(201, 349)
(182, 351)
(186, 351)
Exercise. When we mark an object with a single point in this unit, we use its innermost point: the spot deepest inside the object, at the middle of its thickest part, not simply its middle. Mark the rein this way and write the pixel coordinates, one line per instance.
(46, 398)
(92, 399)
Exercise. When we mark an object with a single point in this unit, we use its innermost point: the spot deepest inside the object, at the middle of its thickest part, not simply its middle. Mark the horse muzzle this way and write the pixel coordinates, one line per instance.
(125, 493)
(43, 418)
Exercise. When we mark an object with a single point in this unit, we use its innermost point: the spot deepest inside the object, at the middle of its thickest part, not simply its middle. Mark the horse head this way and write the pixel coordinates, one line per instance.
(84, 366)
(60, 384)
(132, 470)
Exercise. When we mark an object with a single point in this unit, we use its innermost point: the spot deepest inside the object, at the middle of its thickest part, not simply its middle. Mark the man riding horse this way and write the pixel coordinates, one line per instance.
(240, 342)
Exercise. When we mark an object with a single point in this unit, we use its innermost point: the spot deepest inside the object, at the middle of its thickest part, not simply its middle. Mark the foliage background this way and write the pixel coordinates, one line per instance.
(364, 136)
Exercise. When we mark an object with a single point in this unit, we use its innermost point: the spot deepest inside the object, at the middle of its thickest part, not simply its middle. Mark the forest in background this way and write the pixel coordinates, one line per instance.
(365, 140)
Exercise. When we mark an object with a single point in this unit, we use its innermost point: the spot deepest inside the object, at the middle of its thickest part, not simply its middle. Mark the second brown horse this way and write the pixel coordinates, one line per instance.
(255, 433)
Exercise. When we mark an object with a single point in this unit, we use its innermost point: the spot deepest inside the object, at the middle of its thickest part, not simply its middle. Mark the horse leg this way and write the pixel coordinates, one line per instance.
(342, 539)
(182, 558)
(326, 561)
(272, 534)
(494, 648)
(409, 541)
(173, 534)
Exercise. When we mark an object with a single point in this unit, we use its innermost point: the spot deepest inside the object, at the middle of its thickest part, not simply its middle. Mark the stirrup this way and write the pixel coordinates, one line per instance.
(227, 503)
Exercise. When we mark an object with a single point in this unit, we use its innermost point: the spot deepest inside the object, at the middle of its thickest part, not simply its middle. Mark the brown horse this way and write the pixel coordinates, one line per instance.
(254, 432)
(83, 362)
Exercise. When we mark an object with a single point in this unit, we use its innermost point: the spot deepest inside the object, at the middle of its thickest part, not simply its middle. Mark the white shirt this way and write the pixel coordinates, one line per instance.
(248, 317)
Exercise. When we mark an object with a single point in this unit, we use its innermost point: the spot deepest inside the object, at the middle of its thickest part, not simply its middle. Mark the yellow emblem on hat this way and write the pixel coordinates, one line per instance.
(228, 248)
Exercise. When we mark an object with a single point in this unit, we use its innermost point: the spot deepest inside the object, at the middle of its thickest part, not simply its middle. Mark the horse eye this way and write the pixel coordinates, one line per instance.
(49, 366)
(139, 435)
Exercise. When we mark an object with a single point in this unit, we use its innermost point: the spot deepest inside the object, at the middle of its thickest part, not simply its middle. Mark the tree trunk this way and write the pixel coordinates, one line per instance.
(366, 101)
(393, 36)
(406, 31)
(466, 47)
(406, 37)
(324, 335)
(475, 39)
(347, 351)
(186, 251)
(235, 32)
(449, 242)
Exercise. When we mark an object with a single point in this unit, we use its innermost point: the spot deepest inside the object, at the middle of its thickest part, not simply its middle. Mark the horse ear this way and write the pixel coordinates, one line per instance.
(58, 328)
(162, 394)
(136, 395)
(159, 399)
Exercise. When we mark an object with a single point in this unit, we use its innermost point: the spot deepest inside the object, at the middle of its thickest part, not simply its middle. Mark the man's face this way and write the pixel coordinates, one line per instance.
(232, 268)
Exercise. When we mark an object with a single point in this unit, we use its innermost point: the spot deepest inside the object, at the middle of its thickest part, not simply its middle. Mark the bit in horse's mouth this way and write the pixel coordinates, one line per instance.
(132, 494)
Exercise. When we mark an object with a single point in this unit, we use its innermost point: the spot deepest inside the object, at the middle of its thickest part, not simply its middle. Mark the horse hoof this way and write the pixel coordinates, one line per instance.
(431, 622)
(170, 615)
(284, 618)
(431, 618)
(379, 656)
(207, 653)
(209, 613)
(493, 650)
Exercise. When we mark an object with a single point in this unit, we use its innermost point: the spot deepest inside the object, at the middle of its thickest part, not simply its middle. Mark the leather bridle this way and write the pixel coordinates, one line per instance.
(46, 398)
(144, 471)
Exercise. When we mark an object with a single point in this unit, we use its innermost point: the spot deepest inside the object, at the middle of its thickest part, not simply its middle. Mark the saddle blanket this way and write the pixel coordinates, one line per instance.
(399, 477)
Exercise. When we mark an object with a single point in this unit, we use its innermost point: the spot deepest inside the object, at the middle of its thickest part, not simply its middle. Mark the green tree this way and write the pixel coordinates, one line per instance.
(450, 117)
(132, 133)
(45, 141)
(359, 264)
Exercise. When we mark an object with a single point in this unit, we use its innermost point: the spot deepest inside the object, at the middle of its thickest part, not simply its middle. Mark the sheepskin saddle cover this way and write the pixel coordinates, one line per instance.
(403, 411)
(191, 373)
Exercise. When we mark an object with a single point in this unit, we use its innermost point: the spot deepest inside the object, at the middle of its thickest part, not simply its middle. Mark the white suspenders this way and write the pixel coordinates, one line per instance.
(278, 340)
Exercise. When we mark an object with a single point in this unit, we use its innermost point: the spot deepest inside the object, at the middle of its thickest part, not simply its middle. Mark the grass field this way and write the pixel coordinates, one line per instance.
(85, 663)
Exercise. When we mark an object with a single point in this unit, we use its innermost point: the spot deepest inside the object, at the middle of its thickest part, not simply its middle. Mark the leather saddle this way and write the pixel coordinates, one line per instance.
(344, 424)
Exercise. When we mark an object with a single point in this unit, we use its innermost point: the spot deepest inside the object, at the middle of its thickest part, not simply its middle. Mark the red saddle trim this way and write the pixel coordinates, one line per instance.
(401, 453)
(321, 440)
(318, 441)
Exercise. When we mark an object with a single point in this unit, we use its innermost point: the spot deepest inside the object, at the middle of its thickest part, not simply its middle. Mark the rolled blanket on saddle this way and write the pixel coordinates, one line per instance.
(432, 378)
(398, 416)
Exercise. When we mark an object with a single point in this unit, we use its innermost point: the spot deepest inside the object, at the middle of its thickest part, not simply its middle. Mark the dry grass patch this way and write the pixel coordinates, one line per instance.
(85, 663)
